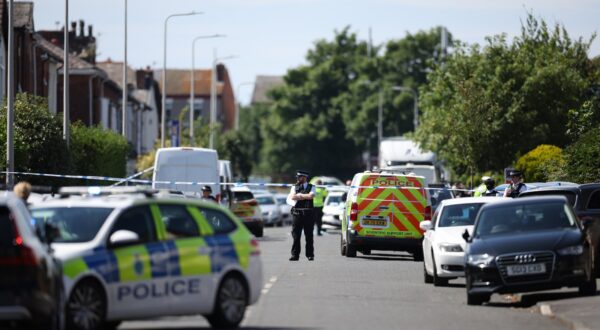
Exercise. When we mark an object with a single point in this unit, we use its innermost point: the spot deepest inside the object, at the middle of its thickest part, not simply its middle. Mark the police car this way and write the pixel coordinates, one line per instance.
(130, 253)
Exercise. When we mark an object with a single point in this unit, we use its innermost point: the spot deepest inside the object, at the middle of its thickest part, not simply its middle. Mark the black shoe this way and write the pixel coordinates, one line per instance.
(311, 258)
(320, 234)
(294, 258)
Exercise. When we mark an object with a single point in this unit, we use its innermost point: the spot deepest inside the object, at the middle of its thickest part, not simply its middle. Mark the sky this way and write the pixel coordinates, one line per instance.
(268, 37)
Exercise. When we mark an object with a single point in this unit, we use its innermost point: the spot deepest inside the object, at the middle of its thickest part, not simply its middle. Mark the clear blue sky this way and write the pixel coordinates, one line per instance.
(271, 36)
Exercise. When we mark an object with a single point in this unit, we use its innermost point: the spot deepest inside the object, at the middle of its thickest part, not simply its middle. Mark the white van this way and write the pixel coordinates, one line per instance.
(187, 165)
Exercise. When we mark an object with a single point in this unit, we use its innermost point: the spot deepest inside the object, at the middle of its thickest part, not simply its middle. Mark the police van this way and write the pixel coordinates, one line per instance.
(382, 212)
(131, 253)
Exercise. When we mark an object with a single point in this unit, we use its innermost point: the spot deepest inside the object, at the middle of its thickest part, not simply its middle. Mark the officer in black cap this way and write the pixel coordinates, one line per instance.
(301, 197)
(517, 186)
(206, 194)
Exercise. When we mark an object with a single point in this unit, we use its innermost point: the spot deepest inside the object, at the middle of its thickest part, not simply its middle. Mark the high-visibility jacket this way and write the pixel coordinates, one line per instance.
(320, 194)
(480, 190)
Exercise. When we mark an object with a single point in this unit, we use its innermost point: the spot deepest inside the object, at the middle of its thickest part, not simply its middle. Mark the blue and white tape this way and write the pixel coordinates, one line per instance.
(196, 183)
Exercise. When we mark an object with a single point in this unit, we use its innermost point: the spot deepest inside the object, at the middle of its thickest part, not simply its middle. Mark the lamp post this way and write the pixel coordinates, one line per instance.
(193, 82)
(66, 118)
(124, 96)
(213, 96)
(237, 104)
(164, 76)
(10, 100)
(416, 103)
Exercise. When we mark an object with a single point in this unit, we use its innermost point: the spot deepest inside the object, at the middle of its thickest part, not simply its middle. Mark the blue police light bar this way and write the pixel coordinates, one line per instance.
(104, 191)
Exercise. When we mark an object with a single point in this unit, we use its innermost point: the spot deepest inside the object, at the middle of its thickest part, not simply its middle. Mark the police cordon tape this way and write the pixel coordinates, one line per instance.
(191, 183)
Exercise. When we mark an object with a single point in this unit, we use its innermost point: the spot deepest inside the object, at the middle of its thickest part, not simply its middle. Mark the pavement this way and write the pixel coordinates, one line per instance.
(576, 313)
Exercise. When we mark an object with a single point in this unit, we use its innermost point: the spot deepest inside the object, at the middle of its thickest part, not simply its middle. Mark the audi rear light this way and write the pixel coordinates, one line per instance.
(354, 212)
(24, 255)
(427, 213)
(255, 251)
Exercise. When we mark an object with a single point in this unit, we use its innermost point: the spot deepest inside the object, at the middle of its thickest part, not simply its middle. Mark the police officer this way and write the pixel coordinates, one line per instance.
(301, 195)
(207, 194)
(482, 187)
(318, 203)
(517, 186)
(490, 185)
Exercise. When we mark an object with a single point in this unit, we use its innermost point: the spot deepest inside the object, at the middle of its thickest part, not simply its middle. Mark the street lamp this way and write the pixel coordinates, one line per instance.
(379, 112)
(416, 102)
(193, 82)
(237, 104)
(164, 76)
(125, 90)
(213, 96)
(10, 99)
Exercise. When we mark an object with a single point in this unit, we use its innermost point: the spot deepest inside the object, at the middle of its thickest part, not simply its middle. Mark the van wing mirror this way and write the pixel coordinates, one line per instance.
(466, 236)
(425, 225)
(51, 233)
(344, 197)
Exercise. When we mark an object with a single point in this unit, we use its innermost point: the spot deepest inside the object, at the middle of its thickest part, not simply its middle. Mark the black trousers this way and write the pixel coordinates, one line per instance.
(319, 218)
(303, 220)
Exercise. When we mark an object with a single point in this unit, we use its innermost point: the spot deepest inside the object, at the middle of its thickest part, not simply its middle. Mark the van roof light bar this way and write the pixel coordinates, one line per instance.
(104, 191)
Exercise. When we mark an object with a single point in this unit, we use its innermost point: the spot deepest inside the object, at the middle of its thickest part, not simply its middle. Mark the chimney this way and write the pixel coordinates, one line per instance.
(90, 30)
(74, 26)
(81, 28)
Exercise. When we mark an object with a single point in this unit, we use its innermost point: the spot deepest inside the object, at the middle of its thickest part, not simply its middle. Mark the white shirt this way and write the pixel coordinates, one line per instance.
(289, 201)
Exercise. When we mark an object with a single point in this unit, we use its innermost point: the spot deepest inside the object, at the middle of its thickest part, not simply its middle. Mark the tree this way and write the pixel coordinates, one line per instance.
(233, 148)
(582, 157)
(38, 143)
(487, 106)
(544, 163)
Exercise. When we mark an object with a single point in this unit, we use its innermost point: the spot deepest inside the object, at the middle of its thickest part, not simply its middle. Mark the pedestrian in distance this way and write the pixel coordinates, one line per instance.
(23, 190)
(516, 186)
(207, 194)
(460, 190)
(490, 188)
(318, 203)
(481, 189)
(301, 198)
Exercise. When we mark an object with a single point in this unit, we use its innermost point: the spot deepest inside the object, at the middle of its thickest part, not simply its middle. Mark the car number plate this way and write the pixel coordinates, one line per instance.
(375, 221)
(517, 270)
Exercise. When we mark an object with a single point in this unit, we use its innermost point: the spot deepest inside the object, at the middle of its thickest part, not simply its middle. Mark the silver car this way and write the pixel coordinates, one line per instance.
(271, 213)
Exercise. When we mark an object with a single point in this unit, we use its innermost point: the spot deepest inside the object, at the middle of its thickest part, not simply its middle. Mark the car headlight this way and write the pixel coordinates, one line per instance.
(574, 250)
(480, 259)
(450, 247)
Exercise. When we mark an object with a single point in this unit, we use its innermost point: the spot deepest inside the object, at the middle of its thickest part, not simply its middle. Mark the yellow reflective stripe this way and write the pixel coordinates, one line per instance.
(133, 263)
(194, 256)
(205, 228)
(74, 267)
(158, 222)
(241, 243)
(379, 199)
(402, 218)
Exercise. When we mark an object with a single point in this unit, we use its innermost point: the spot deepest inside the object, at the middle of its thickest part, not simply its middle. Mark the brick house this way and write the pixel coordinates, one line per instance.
(178, 95)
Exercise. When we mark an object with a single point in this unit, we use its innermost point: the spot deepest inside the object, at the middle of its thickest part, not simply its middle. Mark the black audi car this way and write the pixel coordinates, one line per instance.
(527, 244)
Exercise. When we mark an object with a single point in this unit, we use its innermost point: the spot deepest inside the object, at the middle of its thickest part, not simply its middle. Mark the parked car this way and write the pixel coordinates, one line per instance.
(286, 210)
(31, 289)
(327, 181)
(585, 199)
(333, 208)
(438, 193)
(443, 245)
(527, 244)
(245, 207)
(271, 212)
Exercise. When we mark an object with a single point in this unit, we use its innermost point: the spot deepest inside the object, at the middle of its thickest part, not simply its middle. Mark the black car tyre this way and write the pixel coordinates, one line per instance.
(437, 281)
(342, 246)
(418, 255)
(111, 325)
(477, 299)
(588, 288)
(230, 304)
(426, 277)
(350, 250)
(86, 307)
(260, 232)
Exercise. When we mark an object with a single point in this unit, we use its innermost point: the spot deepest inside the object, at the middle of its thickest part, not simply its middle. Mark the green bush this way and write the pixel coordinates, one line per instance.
(583, 157)
(96, 151)
(544, 163)
(38, 143)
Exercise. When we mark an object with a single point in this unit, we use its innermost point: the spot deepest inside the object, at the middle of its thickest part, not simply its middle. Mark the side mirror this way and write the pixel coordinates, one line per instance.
(466, 236)
(123, 237)
(425, 225)
(344, 197)
(586, 223)
(51, 233)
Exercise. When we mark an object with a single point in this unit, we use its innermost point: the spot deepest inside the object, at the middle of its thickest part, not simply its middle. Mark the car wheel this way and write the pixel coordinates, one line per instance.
(437, 281)
(112, 325)
(260, 232)
(86, 307)
(366, 252)
(588, 288)
(230, 305)
(418, 255)
(426, 277)
(350, 250)
(477, 299)
(342, 245)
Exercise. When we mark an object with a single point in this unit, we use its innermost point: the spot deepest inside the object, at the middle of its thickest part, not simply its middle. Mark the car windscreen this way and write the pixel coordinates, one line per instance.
(571, 196)
(510, 219)
(333, 200)
(459, 215)
(265, 200)
(281, 200)
(242, 195)
(76, 224)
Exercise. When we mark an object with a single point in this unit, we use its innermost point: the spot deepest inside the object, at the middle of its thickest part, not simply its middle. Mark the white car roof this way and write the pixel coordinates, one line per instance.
(468, 200)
